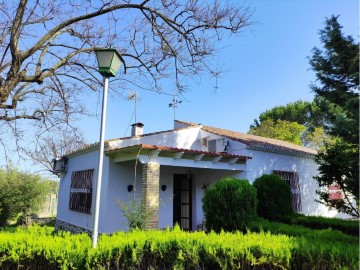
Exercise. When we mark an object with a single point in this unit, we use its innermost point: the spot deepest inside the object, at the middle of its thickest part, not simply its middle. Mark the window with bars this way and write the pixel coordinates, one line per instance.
(81, 191)
(335, 194)
(292, 178)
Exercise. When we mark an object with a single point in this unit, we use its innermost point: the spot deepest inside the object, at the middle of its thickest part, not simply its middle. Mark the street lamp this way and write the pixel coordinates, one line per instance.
(109, 61)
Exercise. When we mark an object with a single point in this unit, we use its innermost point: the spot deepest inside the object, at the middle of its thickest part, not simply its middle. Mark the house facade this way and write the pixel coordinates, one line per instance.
(172, 169)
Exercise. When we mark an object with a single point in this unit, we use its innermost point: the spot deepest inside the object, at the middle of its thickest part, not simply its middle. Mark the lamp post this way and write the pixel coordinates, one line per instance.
(109, 61)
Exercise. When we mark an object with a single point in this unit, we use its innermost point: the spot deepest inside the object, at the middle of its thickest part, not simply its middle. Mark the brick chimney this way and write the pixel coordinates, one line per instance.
(137, 129)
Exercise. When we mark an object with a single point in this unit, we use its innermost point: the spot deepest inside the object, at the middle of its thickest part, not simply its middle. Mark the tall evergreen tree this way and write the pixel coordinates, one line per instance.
(337, 71)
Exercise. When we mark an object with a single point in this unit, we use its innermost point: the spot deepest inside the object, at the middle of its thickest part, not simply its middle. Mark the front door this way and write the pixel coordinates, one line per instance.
(182, 201)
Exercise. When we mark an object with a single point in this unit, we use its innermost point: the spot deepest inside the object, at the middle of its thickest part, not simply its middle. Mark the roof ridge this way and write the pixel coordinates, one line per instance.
(148, 134)
(252, 140)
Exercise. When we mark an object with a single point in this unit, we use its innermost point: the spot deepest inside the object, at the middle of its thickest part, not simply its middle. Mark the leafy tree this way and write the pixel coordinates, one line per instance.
(21, 194)
(281, 129)
(316, 138)
(339, 164)
(337, 72)
(299, 122)
(47, 61)
(297, 111)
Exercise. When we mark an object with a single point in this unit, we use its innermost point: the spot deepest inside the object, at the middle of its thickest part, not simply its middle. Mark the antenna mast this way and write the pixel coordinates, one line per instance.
(174, 104)
(135, 97)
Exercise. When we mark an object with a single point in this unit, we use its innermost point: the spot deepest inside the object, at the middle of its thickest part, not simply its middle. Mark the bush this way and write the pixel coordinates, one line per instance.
(325, 235)
(21, 194)
(347, 226)
(37, 248)
(315, 249)
(229, 205)
(40, 248)
(136, 215)
(274, 197)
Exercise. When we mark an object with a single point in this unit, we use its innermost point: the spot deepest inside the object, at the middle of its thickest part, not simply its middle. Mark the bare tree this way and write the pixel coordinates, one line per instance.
(47, 60)
(51, 146)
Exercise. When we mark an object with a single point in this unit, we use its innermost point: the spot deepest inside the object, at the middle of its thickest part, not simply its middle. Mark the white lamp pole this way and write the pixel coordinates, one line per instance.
(109, 61)
(100, 164)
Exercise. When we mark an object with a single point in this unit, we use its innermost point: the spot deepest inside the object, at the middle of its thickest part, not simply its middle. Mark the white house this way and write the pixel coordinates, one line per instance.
(171, 169)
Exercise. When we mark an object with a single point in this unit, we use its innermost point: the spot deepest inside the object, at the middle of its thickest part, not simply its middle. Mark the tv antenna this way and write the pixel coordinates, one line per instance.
(174, 104)
(133, 96)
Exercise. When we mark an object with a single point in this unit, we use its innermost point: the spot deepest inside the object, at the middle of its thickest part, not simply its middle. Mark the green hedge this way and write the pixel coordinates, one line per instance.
(39, 248)
(315, 249)
(347, 226)
(182, 250)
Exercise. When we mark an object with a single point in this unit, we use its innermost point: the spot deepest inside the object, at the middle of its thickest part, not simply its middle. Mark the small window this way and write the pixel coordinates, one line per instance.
(292, 178)
(81, 191)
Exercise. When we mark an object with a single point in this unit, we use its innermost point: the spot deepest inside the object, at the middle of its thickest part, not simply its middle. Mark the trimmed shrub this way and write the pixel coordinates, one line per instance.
(40, 248)
(229, 205)
(325, 235)
(347, 226)
(314, 249)
(274, 197)
(37, 248)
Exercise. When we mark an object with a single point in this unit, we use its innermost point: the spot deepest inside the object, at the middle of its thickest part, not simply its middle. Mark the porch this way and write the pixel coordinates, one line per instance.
(175, 179)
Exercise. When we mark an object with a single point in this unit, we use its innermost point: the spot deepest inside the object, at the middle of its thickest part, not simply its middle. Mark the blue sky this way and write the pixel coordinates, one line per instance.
(266, 64)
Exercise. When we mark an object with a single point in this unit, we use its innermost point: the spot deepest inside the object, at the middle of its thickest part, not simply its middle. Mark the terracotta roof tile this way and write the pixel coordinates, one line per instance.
(190, 151)
(254, 141)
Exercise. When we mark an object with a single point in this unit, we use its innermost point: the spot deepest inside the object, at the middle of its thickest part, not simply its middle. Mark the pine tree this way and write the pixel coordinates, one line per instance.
(337, 72)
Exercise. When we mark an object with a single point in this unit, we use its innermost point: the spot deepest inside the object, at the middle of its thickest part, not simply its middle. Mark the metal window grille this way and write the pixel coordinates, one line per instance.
(292, 178)
(335, 192)
(81, 191)
(335, 195)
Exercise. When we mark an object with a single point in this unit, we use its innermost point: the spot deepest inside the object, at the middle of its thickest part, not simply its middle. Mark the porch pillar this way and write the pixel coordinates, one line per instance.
(150, 192)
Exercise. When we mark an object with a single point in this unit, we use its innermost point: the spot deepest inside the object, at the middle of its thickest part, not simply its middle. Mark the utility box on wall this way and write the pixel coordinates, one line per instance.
(59, 165)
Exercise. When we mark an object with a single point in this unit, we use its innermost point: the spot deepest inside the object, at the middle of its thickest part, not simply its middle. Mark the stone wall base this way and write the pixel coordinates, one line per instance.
(68, 227)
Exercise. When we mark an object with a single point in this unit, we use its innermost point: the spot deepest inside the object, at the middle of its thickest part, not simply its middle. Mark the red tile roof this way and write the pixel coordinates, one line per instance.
(177, 150)
(256, 142)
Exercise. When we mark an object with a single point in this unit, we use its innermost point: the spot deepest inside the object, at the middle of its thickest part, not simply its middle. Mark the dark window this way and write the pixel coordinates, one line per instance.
(292, 178)
(81, 191)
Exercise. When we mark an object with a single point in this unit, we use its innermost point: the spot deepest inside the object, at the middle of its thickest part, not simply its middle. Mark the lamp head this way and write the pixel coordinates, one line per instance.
(109, 61)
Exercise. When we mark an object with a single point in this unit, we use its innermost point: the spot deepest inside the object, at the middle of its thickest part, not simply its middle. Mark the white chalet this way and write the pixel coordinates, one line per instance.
(172, 169)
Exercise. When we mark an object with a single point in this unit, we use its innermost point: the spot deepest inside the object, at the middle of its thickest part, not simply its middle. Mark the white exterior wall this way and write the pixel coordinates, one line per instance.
(177, 138)
(78, 163)
(117, 176)
(265, 162)
(200, 177)
(120, 176)
(207, 177)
